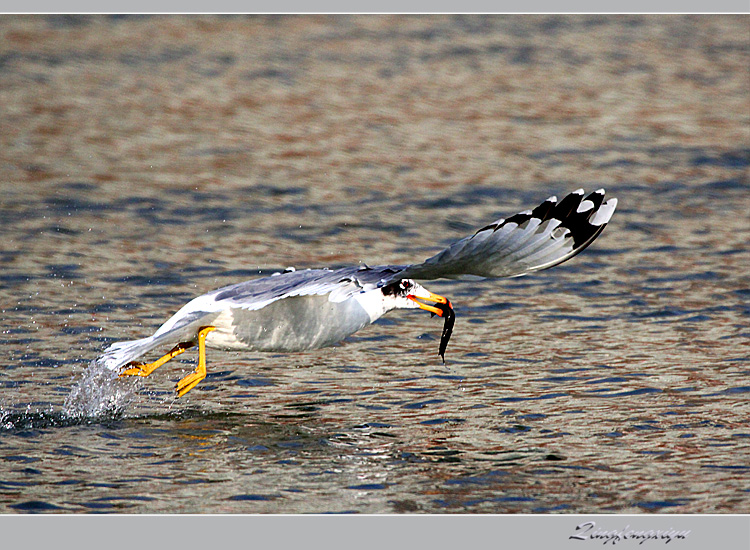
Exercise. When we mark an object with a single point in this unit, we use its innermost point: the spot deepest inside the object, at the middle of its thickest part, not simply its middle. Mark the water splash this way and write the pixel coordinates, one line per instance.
(99, 393)
(99, 396)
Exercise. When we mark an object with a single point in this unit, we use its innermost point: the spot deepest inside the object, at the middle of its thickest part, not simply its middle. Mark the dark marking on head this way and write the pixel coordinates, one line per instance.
(397, 288)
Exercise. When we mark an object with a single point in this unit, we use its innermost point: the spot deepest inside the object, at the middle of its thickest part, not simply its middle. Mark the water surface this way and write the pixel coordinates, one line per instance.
(146, 161)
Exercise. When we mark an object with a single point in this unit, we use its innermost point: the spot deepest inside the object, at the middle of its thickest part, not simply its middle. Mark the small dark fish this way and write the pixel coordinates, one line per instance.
(450, 319)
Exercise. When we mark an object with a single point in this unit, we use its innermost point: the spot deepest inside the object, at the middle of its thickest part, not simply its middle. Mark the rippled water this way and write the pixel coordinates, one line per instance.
(137, 177)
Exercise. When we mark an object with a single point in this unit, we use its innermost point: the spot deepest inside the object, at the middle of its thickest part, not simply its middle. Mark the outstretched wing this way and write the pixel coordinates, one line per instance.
(532, 240)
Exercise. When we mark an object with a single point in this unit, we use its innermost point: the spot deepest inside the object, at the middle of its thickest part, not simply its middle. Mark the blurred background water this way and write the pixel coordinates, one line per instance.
(147, 160)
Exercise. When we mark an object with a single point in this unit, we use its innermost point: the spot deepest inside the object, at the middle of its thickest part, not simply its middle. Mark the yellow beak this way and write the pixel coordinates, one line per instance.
(432, 298)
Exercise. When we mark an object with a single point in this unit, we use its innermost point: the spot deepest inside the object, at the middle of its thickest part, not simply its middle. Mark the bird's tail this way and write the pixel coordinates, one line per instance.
(120, 354)
(182, 327)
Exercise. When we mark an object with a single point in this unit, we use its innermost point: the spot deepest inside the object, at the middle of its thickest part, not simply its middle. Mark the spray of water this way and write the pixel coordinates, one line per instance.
(100, 393)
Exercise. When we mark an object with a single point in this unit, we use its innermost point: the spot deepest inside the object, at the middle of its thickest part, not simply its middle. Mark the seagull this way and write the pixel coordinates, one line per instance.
(297, 310)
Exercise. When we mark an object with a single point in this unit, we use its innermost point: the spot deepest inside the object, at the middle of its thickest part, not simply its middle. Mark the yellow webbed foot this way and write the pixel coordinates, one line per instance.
(192, 379)
(144, 369)
(189, 382)
(136, 369)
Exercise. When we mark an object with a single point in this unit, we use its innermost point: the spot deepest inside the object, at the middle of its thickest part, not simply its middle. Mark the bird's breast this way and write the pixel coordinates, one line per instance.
(289, 324)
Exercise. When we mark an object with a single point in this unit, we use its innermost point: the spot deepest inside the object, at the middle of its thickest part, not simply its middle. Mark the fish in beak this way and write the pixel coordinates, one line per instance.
(442, 308)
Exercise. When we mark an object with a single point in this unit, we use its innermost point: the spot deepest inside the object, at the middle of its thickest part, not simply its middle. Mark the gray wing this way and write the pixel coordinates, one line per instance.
(339, 284)
(532, 240)
(536, 239)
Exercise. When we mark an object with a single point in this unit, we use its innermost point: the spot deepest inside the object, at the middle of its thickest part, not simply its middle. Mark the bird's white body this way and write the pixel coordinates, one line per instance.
(295, 323)
(289, 311)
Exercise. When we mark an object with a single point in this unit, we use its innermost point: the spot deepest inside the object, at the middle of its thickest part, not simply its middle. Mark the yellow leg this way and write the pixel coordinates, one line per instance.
(144, 369)
(192, 379)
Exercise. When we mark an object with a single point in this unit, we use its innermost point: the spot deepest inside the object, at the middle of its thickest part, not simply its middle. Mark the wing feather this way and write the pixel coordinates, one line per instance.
(532, 240)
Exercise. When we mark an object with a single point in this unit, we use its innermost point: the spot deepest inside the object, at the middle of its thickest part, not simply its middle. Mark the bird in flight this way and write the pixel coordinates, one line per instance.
(314, 308)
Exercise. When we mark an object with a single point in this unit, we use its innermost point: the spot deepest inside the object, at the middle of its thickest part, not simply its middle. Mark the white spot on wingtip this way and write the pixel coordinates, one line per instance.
(578, 192)
(604, 213)
(584, 206)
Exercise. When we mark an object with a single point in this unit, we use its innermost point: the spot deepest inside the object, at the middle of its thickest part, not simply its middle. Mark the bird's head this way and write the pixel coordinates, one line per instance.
(408, 294)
